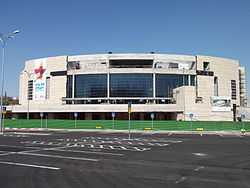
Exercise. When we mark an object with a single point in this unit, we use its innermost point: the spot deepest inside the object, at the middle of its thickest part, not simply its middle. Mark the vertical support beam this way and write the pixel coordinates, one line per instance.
(73, 87)
(108, 75)
(108, 85)
(189, 80)
(154, 89)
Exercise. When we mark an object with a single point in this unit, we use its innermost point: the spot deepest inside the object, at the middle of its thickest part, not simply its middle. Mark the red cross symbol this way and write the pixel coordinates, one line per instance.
(39, 72)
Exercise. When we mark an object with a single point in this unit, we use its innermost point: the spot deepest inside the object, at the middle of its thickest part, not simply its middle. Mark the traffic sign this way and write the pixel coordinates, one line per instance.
(243, 116)
(113, 114)
(75, 114)
(152, 115)
(191, 115)
(41, 114)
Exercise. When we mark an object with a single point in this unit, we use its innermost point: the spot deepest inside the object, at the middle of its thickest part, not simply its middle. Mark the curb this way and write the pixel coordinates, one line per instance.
(220, 133)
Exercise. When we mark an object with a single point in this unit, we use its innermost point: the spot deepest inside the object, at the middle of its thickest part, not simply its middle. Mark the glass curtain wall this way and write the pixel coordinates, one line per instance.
(69, 86)
(131, 85)
(126, 85)
(165, 83)
(90, 85)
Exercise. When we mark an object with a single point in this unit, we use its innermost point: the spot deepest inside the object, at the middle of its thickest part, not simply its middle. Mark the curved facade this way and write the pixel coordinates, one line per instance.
(170, 86)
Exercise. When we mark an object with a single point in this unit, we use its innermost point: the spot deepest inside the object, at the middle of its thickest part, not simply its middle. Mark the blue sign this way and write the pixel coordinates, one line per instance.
(113, 114)
(191, 115)
(152, 115)
(41, 114)
(243, 116)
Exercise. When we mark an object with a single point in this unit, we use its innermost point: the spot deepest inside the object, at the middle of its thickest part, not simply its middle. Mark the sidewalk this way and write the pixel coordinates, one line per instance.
(226, 133)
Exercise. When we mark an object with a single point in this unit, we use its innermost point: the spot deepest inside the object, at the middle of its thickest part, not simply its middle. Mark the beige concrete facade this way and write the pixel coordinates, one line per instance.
(215, 82)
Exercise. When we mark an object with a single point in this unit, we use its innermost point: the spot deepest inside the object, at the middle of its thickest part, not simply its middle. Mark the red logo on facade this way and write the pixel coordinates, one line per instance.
(39, 72)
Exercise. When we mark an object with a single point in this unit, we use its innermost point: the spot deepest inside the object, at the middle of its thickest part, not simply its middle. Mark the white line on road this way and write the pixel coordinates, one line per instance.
(181, 180)
(200, 154)
(58, 156)
(21, 147)
(29, 165)
(27, 133)
(198, 168)
(90, 152)
(8, 153)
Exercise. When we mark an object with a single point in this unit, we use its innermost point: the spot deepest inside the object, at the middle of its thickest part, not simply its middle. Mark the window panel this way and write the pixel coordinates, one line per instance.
(233, 90)
(30, 90)
(192, 81)
(69, 86)
(165, 83)
(91, 85)
(131, 85)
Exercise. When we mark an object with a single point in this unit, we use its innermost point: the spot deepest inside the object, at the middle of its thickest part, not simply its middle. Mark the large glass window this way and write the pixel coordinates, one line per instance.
(69, 86)
(131, 85)
(30, 90)
(90, 85)
(165, 83)
(233, 89)
(192, 80)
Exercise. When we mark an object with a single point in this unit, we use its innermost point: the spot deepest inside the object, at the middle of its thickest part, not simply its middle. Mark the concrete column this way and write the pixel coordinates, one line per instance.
(141, 116)
(51, 116)
(88, 116)
(73, 86)
(154, 89)
(108, 86)
(102, 116)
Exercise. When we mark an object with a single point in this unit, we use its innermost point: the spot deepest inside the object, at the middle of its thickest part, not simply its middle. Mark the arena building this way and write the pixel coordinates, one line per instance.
(170, 86)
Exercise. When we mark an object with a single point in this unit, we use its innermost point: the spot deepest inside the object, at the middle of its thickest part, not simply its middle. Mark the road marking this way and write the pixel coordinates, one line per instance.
(90, 152)
(58, 156)
(29, 165)
(12, 146)
(37, 134)
(8, 153)
(181, 180)
(13, 135)
(200, 154)
(198, 168)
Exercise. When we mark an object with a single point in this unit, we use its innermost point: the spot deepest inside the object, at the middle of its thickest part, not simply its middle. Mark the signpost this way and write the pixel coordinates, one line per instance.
(46, 120)
(152, 115)
(113, 120)
(129, 124)
(3, 117)
(243, 116)
(41, 115)
(191, 115)
(75, 115)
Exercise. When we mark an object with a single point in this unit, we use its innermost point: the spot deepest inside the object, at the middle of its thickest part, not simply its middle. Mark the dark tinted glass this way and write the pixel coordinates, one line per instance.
(131, 85)
(165, 83)
(30, 90)
(69, 87)
(91, 85)
(192, 80)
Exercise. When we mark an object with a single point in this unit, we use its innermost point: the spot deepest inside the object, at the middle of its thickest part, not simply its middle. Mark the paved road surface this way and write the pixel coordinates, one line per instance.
(80, 159)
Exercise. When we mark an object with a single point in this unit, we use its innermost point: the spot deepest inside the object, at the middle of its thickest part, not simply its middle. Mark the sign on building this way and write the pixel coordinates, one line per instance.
(39, 86)
(221, 104)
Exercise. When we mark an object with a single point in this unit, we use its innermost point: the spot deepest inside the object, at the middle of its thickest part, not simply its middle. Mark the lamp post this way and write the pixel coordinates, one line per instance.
(3, 39)
(28, 100)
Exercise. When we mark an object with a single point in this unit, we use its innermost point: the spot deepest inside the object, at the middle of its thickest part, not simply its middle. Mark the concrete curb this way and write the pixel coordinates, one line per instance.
(221, 133)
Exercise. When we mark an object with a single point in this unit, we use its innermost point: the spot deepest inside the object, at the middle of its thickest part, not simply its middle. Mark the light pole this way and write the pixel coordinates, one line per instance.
(28, 102)
(3, 39)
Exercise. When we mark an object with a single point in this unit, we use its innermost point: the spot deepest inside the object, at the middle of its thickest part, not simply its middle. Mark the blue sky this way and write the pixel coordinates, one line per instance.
(60, 27)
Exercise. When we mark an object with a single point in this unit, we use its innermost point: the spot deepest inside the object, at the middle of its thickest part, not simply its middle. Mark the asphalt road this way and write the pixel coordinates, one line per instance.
(80, 159)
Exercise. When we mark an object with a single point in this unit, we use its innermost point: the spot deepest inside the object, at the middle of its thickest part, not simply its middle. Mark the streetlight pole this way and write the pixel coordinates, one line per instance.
(3, 39)
(2, 87)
